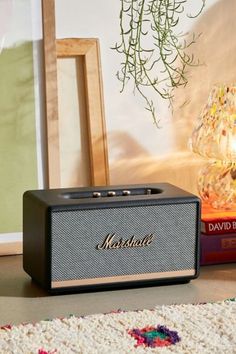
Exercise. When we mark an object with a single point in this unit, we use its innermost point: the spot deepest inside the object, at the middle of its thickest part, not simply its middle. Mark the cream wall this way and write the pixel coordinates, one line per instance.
(138, 151)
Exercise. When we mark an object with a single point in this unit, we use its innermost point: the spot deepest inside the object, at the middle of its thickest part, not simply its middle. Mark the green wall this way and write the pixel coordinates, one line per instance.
(18, 160)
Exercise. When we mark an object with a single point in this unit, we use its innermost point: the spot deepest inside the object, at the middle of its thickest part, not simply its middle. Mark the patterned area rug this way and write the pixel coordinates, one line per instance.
(203, 328)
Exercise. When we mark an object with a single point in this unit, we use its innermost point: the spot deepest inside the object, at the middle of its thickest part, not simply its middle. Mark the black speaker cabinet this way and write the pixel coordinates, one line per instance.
(76, 239)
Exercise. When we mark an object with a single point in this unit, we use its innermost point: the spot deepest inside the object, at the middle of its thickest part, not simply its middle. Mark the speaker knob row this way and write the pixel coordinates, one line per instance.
(111, 193)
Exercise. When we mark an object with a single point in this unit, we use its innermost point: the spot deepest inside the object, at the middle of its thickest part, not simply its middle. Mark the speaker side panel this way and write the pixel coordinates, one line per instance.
(35, 242)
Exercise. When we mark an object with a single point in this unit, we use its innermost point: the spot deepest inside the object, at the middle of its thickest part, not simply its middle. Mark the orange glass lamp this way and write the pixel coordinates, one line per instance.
(214, 137)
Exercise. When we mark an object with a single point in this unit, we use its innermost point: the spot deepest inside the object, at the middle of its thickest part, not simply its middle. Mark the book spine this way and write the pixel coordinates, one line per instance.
(218, 249)
(216, 227)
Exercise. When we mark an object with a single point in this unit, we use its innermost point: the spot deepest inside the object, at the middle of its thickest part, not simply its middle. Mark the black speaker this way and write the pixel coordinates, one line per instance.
(76, 239)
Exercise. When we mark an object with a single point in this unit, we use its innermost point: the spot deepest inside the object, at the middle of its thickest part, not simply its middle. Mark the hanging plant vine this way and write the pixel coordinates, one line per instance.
(162, 66)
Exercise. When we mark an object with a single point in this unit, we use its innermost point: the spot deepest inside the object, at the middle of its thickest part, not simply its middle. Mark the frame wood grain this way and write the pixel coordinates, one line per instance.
(51, 97)
(89, 50)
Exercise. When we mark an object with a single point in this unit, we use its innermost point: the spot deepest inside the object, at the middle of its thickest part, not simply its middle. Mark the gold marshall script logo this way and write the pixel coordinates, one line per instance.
(109, 243)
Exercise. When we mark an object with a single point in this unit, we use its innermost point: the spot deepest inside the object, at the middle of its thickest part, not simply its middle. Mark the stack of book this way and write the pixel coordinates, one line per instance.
(218, 236)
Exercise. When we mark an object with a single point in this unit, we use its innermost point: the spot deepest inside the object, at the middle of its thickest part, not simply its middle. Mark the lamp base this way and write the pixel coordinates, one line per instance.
(217, 184)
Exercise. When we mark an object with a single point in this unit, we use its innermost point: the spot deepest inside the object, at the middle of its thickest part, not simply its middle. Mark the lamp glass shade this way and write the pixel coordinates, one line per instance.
(217, 185)
(214, 135)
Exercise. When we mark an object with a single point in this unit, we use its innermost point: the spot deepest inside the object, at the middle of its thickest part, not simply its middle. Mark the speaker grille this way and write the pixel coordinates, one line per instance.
(76, 233)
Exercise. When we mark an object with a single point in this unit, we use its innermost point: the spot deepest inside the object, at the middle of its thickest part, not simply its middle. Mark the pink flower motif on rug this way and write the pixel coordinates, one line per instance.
(153, 337)
(6, 327)
(41, 351)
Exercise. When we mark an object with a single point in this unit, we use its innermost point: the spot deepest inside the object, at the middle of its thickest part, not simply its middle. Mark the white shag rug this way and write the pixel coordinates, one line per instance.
(186, 329)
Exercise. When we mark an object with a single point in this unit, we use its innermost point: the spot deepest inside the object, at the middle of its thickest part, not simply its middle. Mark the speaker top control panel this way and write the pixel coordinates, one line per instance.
(113, 195)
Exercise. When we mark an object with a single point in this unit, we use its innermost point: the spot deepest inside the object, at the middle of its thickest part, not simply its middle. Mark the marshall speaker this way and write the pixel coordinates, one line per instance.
(76, 239)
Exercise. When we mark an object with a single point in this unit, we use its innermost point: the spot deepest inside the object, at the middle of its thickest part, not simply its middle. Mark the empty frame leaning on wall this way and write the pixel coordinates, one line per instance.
(87, 57)
(92, 165)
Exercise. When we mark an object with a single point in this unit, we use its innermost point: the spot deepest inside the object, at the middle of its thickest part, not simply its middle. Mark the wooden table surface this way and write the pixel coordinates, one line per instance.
(23, 301)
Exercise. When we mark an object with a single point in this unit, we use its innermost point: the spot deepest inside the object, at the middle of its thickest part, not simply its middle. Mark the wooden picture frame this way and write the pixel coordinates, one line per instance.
(88, 49)
(51, 100)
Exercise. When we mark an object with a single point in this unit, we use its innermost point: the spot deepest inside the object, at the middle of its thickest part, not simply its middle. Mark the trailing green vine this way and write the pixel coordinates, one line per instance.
(162, 66)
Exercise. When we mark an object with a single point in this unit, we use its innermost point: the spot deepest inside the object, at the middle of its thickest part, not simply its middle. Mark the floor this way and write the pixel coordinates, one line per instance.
(23, 301)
